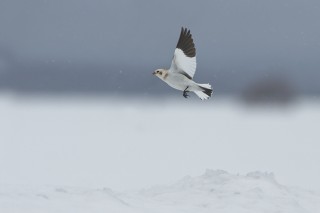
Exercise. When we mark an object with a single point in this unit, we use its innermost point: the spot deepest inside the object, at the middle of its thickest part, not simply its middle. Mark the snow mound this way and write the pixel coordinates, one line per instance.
(214, 191)
(219, 191)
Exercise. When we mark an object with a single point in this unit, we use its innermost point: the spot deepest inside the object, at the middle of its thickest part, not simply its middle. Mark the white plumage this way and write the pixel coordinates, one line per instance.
(183, 67)
(181, 62)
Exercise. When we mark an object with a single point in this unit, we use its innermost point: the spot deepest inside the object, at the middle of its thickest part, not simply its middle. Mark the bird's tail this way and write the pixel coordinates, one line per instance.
(205, 91)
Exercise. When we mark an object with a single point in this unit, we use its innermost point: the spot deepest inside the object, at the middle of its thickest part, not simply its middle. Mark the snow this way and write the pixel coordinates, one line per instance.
(214, 191)
(64, 155)
(58, 199)
(219, 191)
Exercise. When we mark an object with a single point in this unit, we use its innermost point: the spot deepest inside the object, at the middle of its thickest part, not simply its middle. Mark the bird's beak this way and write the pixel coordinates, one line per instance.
(154, 73)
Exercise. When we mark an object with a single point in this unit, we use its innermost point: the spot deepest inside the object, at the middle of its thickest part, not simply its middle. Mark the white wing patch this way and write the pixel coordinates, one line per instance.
(182, 63)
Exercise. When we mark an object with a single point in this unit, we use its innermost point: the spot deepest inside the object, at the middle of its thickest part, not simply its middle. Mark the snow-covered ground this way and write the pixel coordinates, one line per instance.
(92, 145)
(214, 191)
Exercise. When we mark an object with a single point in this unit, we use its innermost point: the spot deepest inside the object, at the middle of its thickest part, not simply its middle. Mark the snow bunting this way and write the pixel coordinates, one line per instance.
(183, 66)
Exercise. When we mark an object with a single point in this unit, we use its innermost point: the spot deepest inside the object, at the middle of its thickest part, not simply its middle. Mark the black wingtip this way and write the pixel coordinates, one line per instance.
(185, 43)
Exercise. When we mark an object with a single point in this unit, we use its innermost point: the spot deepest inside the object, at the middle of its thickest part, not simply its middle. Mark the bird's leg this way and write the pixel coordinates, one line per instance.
(185, 92)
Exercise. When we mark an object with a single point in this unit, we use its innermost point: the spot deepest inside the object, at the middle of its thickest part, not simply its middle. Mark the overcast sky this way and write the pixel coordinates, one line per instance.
(142, 31)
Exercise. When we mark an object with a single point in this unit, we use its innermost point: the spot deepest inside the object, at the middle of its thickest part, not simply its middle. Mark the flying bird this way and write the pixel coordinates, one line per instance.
(183, 66)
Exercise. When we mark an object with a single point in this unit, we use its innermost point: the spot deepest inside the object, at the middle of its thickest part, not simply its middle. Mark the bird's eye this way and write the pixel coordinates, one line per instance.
(157, 71)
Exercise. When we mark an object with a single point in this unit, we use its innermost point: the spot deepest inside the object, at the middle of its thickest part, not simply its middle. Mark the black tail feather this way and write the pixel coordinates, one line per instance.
(206, 91)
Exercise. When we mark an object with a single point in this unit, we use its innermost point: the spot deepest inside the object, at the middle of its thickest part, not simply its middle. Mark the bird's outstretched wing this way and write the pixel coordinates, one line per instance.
(184, 58)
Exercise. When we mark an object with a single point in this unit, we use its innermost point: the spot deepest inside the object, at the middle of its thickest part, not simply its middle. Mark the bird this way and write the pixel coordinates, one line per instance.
(183, 67)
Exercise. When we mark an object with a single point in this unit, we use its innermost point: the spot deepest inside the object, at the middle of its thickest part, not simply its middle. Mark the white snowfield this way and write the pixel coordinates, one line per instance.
(47, 144)
(214, 191)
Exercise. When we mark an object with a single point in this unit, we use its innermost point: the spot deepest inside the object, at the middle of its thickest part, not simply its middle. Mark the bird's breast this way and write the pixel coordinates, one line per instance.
(177, 81)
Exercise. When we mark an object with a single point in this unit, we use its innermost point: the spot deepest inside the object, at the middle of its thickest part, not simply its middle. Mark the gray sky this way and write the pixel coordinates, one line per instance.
(135, 32)
(231, 37)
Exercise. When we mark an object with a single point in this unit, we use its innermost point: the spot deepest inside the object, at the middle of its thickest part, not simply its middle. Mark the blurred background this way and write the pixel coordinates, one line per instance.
(79, 106)
(257, 50)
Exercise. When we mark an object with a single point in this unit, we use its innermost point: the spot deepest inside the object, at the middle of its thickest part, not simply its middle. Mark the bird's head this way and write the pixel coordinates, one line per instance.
(160, 73)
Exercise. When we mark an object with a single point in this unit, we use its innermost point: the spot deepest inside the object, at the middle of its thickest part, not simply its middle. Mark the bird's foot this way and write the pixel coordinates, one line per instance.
(185, 93)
